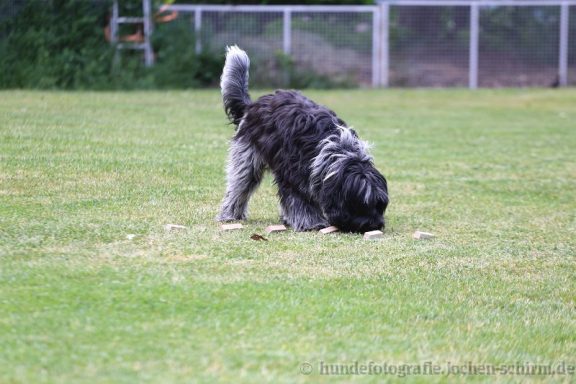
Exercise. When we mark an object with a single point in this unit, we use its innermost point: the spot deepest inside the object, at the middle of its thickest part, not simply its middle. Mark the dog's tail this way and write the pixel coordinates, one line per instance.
(234, 83)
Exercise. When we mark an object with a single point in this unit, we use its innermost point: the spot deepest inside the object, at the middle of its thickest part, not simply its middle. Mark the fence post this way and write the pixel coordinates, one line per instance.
(473, 58)
(198, 30)
(114, 23)
(384, 49)
(563, 51)
(376, 81)
(148, 29)
(287, 32)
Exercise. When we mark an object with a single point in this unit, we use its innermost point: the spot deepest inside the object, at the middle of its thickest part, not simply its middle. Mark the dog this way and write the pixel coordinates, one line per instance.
(324, 173)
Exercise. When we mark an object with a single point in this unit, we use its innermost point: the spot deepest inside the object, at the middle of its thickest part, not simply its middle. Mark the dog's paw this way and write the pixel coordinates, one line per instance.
(299, 227)
(224, 218)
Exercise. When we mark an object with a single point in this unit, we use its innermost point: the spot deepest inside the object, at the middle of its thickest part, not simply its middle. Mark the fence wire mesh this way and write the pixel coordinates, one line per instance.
(325, 47)
(258, 33)
(519, 46)
(429, 46)
(425, 45)
(335, 45)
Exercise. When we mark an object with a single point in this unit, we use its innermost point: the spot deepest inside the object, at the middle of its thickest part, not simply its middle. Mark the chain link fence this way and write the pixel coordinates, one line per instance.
(429, 46)
(328, 45)
(399, 43)
(519, 46)
(404, 43)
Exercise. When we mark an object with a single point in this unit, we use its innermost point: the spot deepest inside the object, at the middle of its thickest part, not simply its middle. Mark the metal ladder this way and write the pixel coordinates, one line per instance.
(146, 21)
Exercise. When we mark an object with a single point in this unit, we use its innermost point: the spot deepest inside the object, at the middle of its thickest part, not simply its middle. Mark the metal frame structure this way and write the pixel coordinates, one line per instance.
(287, 11)
(475, 6)
(148, 26)
(381, 27)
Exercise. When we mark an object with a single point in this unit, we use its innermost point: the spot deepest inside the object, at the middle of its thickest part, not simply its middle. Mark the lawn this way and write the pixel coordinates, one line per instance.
(491, 173)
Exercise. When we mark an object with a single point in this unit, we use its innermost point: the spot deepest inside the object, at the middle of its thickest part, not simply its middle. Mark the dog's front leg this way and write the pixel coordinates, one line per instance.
(243, 175)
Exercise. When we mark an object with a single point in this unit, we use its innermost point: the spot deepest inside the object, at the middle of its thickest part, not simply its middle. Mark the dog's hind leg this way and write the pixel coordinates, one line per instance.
(300, 214)
(244, 173)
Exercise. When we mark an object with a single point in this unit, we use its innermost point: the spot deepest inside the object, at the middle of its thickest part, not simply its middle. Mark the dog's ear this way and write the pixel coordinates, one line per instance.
(339, 196)
(332, 195)
(364, 183)
(380, 190)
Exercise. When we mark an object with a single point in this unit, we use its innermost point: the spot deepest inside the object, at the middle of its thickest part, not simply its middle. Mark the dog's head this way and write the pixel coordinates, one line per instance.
(356, 197)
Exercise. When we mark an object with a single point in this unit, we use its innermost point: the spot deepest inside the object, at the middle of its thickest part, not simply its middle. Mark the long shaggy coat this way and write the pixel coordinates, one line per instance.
(324, 173)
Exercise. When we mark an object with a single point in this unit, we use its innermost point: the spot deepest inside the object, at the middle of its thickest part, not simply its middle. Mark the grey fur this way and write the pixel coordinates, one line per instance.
(244, 173)
(301, 215)
(234, 83)
(323, 171)
(333, 151)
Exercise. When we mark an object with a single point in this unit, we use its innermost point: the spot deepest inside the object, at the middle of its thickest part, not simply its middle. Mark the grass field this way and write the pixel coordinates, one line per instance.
(491, 173)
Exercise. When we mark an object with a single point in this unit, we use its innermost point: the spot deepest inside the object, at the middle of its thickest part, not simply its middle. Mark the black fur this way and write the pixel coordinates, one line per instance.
(324, 173)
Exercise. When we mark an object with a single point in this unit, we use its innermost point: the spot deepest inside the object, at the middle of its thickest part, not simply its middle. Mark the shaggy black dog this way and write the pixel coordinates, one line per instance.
(324, 173)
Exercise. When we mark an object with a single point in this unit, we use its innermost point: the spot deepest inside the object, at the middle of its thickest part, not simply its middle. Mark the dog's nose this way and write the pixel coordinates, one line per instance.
(374, 225)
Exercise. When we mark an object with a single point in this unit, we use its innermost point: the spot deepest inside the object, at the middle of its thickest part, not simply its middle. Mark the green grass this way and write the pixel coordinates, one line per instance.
(491, 173)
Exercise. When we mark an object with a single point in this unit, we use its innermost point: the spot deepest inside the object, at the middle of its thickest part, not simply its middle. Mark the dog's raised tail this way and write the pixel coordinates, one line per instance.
(234, 83)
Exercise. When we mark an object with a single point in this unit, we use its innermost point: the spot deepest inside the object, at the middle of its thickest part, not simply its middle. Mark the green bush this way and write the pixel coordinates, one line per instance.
(56, 44)
(296, 78)
(177, 64)
(60, 44)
